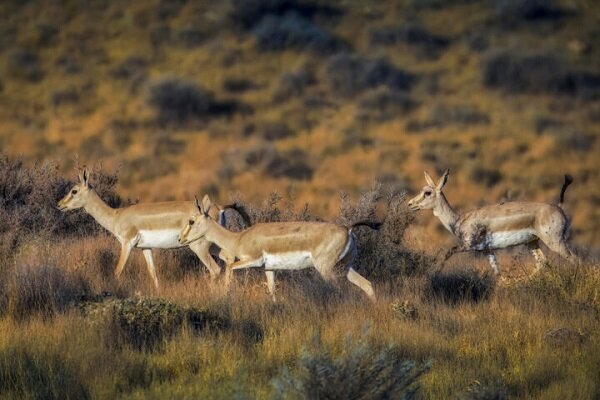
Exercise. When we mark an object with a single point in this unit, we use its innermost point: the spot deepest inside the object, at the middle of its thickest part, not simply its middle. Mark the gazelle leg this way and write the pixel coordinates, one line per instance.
(151, 268)
(494, 263)
(538, 254)
(361, 282)
(452, 251)
(201, 249)
(271, 283)
(125, 251)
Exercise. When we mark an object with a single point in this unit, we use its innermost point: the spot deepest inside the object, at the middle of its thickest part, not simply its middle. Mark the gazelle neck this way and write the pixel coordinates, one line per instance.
(102, 212)
(447, 216)
(222, 237)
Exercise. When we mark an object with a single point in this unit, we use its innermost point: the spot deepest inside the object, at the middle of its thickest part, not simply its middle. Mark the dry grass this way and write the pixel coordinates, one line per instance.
(71, 331)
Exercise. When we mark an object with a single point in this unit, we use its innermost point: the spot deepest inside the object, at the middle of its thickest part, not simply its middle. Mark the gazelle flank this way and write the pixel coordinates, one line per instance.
(146, 226)
(500, 226)
(281, 246)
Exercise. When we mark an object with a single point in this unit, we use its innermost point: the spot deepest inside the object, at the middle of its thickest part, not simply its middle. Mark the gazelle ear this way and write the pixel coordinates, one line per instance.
(206, 204)
(84, 176)
(198, 205)
(443, 180)
(429, 180)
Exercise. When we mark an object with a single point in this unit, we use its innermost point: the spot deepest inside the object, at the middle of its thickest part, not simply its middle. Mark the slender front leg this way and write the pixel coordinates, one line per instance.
(201, 248)
(494, 263)
(151, 268)
(271, 283)
(125, 251)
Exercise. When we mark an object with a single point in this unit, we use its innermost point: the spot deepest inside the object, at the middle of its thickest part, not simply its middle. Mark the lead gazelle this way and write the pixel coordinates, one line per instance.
(501, 225)
(281, 246)
(147, 226)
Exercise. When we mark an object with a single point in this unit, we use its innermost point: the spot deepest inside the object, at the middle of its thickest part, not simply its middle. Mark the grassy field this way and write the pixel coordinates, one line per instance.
(336, 105)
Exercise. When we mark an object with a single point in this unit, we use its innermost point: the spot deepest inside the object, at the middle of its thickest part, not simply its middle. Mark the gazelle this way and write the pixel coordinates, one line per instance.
(500, 226)
(146, 226)
(281, 246)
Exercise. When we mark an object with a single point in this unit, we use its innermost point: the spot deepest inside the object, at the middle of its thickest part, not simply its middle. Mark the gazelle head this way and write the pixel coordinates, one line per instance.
(78, 195)
(431, 194)
(198, 224)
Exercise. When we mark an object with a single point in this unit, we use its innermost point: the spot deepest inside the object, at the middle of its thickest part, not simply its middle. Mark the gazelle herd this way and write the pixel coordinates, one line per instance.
(280, 246)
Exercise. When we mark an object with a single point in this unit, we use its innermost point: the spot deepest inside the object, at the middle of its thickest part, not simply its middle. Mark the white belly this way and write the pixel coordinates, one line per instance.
(160, 238)
(288, 260)
(500, 240)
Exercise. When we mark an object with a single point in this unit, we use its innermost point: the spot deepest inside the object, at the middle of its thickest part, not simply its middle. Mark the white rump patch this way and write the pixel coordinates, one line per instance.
(500, 240)
(288, 260)
(159, 239)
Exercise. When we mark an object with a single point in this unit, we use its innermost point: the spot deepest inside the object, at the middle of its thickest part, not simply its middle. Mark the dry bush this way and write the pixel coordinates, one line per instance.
(381, 255)
(412, 34)
(28, 198)
(360, 372)
(537, 73)
(42, 290)
(292, 31)
(25, 64)
(32, 374)
(293, 84)
(147, 323)
(350, 74)
(246, 14)
(179, 101)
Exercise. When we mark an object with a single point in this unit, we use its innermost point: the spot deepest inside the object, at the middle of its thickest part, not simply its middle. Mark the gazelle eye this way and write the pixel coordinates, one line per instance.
(427, 193)
(74, 191)
(191, 222)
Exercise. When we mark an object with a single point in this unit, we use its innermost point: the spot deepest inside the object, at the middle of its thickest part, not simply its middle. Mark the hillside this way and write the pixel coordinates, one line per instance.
(310, 98)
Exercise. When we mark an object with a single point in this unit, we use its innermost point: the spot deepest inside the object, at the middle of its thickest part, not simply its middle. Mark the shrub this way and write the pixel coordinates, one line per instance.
(276, 131)
(360, 372)
(147, 324)
(293, 84)
(292, 31)
(412, 34)
(442, 116)
(293, 164)
(192, 36)
(178, 102)
(130, 67)
(64, 96)
(350, 74)
(26, 373)
(42, 290)
(246, 14)
(238, 85)
(381, 255)
(25, 64)
(537, 73)
(145, 168)
(459, 286)
(28, 197)
(383, 105)
(513, 12)
(487, 176)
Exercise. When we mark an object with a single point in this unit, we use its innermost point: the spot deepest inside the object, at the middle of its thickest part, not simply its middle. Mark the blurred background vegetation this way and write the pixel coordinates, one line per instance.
(311, 97)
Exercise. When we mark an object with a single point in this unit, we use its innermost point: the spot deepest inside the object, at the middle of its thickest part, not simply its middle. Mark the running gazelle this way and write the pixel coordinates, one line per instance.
(281, 246)
(500, 226)
(146, 226)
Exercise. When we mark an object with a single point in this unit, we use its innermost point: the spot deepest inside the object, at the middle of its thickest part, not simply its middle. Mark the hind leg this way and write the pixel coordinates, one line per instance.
(560, 246)
(362, 282)
(538, 254)
(494, 263)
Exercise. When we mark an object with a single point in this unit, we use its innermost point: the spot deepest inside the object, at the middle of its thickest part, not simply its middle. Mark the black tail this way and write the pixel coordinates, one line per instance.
(371, 224)
(568, 181)
(240, 209)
